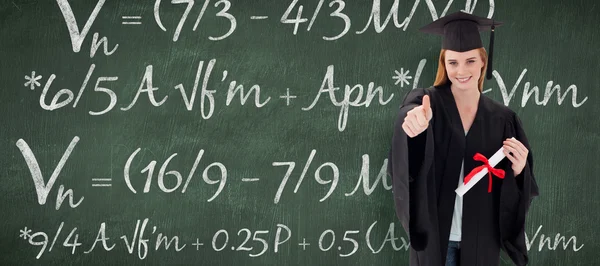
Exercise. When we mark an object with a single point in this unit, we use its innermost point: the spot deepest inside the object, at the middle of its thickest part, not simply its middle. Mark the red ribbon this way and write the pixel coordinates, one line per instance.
(491, 170)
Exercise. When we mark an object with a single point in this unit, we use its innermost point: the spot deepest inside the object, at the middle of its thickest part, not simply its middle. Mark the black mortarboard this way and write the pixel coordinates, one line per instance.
(460, 33)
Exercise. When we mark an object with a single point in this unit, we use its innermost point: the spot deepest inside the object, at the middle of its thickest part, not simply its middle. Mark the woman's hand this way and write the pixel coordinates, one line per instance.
(417, 119)
(517, 153)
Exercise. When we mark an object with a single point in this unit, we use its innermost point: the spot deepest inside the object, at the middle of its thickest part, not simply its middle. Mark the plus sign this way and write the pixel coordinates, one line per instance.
(287, 96)
(197, 244)
(303, 244)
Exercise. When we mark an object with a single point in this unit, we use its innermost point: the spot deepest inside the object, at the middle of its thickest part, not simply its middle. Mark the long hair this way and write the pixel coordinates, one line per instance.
(441, 78)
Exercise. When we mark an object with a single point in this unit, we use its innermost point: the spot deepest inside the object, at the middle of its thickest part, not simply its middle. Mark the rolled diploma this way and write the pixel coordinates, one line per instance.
(494, 160)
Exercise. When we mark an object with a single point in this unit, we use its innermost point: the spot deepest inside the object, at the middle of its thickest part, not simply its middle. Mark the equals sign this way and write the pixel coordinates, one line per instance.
(101, 182)
(131, 20)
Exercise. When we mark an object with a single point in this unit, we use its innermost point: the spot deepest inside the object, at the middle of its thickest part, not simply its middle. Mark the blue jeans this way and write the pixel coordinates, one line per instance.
(453, 256)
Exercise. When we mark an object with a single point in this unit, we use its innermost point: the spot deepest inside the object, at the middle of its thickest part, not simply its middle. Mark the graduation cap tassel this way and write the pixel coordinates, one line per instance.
(491, 54)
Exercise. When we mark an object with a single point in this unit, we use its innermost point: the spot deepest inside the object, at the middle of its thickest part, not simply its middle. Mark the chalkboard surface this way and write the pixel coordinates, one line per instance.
(256, 132)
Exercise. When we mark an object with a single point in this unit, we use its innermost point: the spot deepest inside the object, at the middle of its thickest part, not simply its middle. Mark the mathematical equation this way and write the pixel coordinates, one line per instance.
(296, 15)
(147, 237)
(342, 96)
(353, 95)
(327, 174)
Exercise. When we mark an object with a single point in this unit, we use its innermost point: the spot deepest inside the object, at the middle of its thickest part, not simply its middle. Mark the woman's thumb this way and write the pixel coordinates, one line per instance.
(426, 106)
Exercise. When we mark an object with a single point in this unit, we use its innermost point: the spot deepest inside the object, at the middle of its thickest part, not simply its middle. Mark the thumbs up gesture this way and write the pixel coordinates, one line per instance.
(417, 119)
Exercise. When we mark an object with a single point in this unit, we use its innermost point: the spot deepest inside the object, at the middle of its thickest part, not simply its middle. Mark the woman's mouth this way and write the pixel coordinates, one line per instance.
(463, 80)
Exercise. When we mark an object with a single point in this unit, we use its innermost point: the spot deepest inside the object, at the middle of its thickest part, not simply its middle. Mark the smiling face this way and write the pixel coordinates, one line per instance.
(464, 69)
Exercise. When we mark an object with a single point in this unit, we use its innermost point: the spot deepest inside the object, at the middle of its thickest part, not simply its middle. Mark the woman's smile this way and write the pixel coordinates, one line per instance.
(463, 80)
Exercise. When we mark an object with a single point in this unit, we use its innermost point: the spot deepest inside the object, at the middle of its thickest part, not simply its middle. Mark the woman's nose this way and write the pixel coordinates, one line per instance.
(461, 70)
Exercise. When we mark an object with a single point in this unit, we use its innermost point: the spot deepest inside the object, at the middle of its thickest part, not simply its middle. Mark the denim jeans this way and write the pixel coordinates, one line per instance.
(453, 256)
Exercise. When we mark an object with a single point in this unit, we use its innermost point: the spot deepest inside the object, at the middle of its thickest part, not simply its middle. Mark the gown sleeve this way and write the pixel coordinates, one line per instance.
(517, 194)
(409, 162)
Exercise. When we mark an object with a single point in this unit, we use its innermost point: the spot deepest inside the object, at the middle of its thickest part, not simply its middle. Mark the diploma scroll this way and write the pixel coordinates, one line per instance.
(494, 160)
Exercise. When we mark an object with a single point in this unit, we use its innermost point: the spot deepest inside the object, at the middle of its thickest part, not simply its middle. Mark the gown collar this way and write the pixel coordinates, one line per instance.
(453, 113)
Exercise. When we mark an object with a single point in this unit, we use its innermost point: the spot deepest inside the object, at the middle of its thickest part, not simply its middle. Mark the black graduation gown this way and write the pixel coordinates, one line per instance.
(425, 172)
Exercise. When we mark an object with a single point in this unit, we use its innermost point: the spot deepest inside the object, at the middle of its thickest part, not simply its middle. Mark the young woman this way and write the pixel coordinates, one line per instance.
(437, 135)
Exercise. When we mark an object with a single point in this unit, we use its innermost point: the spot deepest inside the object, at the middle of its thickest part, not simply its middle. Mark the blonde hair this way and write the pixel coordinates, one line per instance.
(441, 78)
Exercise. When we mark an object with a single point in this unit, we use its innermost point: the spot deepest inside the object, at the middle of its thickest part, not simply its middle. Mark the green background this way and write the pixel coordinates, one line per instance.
(541, 41)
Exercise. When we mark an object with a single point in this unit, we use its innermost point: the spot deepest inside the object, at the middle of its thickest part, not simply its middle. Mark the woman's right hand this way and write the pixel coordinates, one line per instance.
(417, 119)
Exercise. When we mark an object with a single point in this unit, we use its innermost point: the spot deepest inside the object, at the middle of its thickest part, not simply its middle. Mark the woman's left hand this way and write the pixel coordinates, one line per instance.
(517, 153)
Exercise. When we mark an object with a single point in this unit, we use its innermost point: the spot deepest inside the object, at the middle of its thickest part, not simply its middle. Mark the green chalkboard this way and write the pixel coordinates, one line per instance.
(257, 132)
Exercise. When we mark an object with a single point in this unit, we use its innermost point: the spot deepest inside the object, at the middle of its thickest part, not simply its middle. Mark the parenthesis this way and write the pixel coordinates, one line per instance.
(157, 15)
(368, 237)
(126, 170)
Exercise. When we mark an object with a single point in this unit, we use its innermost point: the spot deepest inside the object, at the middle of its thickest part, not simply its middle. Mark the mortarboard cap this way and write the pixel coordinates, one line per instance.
(460, 33)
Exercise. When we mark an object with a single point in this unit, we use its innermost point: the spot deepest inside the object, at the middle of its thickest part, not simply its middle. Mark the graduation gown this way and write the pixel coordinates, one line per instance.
(425, 172)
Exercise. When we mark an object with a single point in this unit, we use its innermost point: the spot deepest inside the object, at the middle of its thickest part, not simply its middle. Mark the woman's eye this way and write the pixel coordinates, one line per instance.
(471, 61)
(452, 63)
